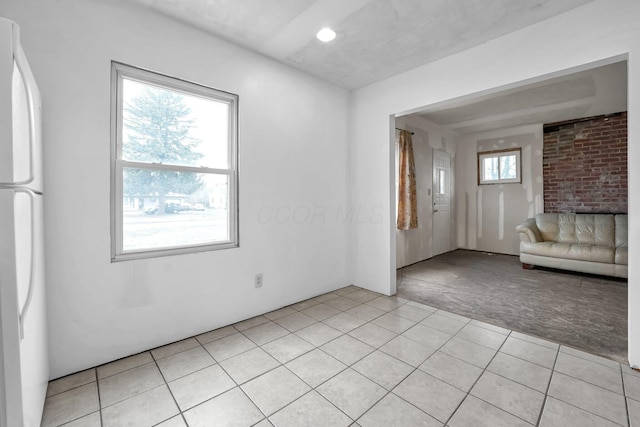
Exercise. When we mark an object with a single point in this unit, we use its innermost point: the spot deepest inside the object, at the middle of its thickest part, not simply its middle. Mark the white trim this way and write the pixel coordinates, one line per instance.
(119, 72)
(177, 168)
(482, 156)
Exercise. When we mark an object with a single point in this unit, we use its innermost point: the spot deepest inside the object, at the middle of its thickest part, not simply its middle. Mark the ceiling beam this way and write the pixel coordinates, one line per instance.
(585, 102)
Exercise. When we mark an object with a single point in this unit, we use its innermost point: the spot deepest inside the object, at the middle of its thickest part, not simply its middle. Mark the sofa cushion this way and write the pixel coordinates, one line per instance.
(547, 224)
(622, 254)
(577, 251)
(621, 230)
(589, 229)
(622, 250)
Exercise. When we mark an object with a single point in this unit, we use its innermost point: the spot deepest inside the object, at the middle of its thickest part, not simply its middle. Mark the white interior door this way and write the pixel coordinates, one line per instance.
(441, 202)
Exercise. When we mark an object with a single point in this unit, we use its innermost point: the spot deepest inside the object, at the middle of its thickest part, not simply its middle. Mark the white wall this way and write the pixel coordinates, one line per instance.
(416, 244)
(590, 35)
(488, 214)
(293, 170)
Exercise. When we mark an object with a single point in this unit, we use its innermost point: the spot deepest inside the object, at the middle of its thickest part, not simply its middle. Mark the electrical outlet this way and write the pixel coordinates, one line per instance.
(258, 282)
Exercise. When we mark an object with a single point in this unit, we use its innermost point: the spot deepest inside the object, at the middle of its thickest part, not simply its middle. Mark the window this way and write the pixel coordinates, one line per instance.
(173, 166)
(441, 181)
(498, 167)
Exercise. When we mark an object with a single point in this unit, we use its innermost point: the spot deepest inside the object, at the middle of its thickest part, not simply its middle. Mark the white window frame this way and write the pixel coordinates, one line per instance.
(121, 71)
(497, 154)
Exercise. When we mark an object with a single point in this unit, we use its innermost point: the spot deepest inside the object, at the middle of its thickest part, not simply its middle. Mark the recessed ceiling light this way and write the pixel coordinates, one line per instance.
(326, 35)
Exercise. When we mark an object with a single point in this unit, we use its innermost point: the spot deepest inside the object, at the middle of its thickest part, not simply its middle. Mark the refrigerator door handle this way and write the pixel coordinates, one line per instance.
(23, 311)
(28, 82)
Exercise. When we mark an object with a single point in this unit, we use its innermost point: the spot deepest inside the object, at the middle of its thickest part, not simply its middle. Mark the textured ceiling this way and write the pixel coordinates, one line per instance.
(380, 38)
(376, 38)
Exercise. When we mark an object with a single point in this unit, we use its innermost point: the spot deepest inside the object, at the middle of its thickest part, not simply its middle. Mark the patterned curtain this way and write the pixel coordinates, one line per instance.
(407, 199)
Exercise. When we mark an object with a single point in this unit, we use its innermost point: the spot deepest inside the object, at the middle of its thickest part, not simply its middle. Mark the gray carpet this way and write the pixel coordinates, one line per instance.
(582, 311)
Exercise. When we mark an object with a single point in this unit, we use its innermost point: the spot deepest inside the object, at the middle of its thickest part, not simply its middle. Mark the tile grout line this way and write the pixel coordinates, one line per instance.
(583, 409)
(518, 382)
(72, 388)
(239, 387)
(533, 363)
(486, 370)
(95, 372)
(135, 395)
(219, 363)
(624, 395)
(123, 358)
(589, 382)
(476, 382)
(546, 392)
(568, 346)
(169, 388)
(313, 389)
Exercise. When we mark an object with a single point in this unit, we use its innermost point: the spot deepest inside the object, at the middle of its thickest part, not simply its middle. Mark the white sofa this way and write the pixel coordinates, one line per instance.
(588, 243)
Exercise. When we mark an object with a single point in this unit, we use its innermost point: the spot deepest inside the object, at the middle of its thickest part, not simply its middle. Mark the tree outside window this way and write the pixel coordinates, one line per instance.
(174, 166)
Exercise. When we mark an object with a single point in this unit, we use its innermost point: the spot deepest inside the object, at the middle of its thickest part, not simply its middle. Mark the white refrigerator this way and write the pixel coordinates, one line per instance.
(24, 361)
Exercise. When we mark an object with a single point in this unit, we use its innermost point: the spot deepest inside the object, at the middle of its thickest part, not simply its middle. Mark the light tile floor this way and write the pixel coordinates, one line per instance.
(352, 358)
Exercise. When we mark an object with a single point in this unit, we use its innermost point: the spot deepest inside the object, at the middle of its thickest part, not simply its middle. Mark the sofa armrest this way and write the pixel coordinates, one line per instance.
(529, 232)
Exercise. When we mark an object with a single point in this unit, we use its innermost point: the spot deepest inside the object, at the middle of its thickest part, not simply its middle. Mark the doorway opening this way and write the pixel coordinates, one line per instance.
(484, 216)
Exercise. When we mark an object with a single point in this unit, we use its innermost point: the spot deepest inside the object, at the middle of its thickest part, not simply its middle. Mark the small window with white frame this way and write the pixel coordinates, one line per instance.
(174, 175)
(499, 166)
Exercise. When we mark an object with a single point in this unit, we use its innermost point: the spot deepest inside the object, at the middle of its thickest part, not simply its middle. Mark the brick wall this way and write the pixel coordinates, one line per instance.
(585, 166)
